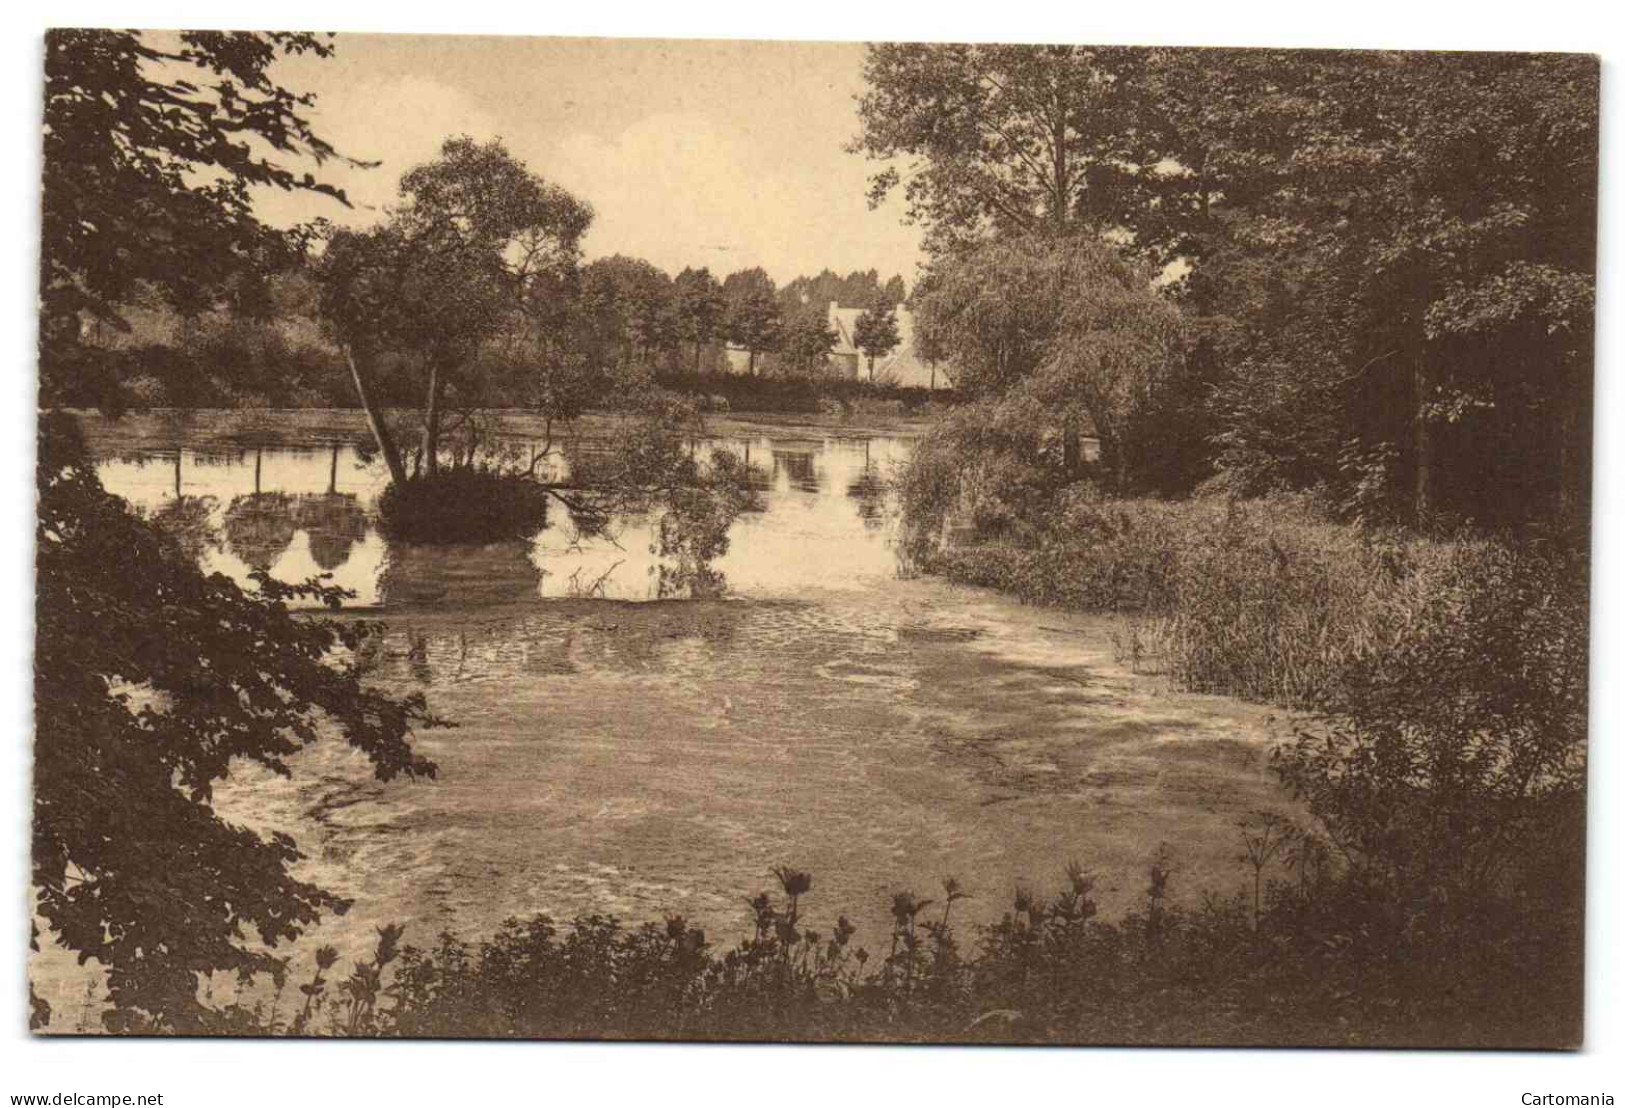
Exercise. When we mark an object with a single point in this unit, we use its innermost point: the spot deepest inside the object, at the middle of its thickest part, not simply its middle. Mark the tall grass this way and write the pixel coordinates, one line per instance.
(1267, 599)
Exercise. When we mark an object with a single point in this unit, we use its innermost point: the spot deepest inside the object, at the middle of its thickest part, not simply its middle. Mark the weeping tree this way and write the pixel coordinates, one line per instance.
(1056, 335)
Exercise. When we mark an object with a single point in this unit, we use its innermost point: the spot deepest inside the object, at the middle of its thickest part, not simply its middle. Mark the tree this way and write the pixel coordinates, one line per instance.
(1060, 332)
(875, 333)
(138, 715)
(806, 343)
(1387, 258)
(1001, 139)
(150, 678)
(700, 308)
(148, 178)
(635, 308)
(449, 272)
(754, 321)
(1417, 298)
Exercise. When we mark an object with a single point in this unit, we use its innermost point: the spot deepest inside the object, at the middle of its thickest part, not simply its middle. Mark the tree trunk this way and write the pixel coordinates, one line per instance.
(1422, 441)
(1071, 450)
(431, 423)
(380, 432)
(753, 362)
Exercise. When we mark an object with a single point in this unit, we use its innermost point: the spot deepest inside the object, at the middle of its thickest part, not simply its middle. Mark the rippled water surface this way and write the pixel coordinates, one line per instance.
(621, 753)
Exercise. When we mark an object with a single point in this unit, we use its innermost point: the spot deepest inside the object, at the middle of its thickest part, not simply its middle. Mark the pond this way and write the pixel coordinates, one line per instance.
(303, 511)
(624, 753)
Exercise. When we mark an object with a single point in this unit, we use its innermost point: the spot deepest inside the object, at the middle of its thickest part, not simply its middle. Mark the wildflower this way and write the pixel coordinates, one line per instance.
(795, 882)
(904, 907)
(389, 938)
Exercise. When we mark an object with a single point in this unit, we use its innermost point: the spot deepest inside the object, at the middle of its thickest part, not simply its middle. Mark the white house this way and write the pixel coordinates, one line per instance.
(901, 367)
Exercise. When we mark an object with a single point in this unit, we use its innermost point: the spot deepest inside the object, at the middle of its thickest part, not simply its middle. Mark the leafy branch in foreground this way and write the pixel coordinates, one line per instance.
(152, 680)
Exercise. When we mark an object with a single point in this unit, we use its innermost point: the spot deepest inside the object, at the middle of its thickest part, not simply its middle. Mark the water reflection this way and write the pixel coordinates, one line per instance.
(259, 527)
(335, 522)
(820, 517)
(190, 521)
(798, 466)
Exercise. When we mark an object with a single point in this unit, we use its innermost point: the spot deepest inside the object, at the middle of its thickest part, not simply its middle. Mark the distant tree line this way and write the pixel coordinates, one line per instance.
(260, 341)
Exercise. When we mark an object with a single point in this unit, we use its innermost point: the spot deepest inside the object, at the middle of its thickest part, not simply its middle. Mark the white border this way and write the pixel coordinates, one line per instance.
(257, 1073)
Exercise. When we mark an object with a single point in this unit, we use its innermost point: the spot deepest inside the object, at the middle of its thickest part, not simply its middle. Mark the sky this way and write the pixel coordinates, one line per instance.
(705, 153)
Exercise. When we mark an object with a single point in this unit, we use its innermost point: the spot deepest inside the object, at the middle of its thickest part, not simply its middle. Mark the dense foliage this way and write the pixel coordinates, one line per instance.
(147, 177)
(1386, 259)
(151, 681)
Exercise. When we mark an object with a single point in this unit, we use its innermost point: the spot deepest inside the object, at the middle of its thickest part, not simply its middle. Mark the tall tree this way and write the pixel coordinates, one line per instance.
(806, 343)
(453, 267)
(1007, 139)
(636, 307)
(754, 320)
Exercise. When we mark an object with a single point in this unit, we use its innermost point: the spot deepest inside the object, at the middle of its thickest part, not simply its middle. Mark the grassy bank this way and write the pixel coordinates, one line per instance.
(1271, 601)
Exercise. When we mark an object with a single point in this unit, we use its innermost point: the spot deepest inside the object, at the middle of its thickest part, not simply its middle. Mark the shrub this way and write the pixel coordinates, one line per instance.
(463, 505)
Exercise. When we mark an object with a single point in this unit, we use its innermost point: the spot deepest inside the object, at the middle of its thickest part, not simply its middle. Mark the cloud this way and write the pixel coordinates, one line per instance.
(399, 122)
(680, 189)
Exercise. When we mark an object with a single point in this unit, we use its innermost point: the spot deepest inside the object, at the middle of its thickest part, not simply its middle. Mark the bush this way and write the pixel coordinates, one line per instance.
(463, 505)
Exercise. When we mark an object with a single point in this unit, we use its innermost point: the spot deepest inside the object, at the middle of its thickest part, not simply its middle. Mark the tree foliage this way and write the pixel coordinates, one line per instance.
(154, 145)
(1053, 335)
(1387, 258)
(999, 139)
(153, 683)
(478, 250)
(875, 333)
(152, 680)
(754, 322)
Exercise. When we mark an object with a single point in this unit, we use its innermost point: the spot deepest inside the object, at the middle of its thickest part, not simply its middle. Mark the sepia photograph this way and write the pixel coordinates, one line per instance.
(789, 541)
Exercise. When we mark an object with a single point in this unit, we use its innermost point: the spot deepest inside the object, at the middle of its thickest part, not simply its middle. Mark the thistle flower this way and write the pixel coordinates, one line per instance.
(904, 907)
(326, 957)
(795, 882)
(389, 938)
(1082, 881)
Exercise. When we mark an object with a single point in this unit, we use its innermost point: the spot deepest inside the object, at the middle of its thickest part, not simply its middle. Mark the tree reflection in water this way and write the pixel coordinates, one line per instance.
(260, 527)
(798, 465)
(335, 522)
(189, 520)
(453, 575)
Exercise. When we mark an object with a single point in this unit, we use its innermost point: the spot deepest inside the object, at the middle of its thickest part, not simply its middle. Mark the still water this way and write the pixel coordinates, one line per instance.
(620, 753)
(297, 512)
